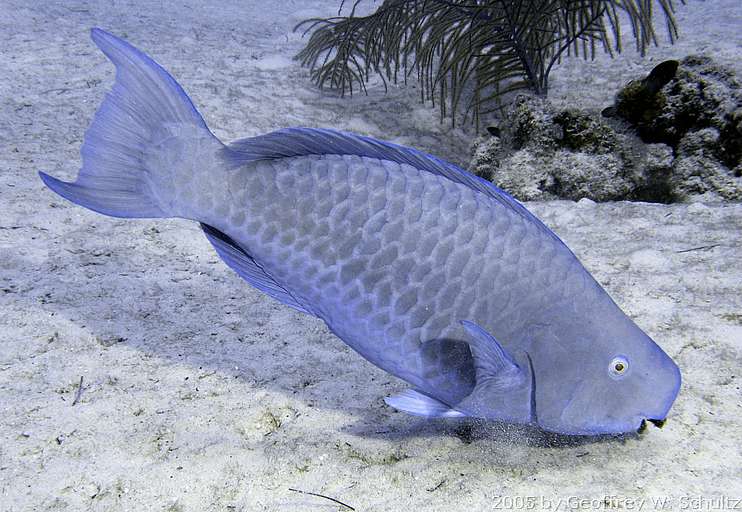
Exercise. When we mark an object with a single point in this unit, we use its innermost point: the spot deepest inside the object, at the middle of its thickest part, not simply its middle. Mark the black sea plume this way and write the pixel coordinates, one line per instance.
(467, 54)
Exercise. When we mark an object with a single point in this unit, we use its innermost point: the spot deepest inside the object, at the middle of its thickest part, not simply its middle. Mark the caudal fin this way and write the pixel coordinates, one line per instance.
(134, 141)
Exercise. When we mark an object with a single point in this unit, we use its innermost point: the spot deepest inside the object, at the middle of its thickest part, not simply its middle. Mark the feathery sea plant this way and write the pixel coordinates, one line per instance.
(471, 52)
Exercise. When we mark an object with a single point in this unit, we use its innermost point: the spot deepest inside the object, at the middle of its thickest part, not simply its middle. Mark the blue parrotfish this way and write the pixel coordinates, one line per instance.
(430, 273)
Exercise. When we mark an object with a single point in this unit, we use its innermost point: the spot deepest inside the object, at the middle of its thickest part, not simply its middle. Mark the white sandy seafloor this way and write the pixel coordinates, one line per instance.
(201, 394)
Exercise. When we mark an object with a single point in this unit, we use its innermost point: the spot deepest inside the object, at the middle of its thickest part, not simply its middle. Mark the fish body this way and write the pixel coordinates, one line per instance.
(425, 270)
(392, 257)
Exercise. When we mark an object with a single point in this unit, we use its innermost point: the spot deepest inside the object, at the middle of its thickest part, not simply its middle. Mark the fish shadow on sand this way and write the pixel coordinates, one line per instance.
(469, 431)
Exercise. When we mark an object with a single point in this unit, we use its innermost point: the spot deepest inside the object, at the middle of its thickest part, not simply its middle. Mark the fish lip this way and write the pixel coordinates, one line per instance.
(642, 427)
(659, 423)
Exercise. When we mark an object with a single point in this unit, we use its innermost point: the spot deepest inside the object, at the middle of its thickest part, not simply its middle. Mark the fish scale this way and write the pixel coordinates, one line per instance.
(427, 271)
(398, 286)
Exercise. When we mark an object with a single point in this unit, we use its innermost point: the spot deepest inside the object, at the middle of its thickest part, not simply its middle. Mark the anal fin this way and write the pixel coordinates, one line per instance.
(248, 269)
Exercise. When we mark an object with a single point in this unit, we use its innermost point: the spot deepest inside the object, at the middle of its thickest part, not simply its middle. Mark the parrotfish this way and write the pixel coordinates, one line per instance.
(430, 273)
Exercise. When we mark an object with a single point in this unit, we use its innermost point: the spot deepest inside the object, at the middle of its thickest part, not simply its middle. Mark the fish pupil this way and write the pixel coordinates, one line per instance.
(619, 367)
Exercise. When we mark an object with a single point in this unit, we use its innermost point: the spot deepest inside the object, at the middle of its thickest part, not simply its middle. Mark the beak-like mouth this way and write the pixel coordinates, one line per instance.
(655, 422)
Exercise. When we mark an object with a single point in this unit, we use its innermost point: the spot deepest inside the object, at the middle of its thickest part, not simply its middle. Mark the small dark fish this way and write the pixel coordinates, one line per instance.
(494, 131)
(432, 274)
(660, 76)
(609, 111)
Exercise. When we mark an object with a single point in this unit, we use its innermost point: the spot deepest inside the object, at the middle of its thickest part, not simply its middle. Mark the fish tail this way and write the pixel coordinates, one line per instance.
(142, 142)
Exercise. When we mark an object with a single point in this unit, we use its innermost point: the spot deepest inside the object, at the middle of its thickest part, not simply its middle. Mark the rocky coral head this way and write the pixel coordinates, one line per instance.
(676, 135)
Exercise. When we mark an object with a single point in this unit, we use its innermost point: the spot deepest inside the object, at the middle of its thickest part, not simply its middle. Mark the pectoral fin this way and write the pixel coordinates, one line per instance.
(503, 389)
(413, 402)
(492, 362)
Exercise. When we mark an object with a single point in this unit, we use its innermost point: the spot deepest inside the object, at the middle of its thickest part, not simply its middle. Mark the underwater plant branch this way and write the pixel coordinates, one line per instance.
(340, 66)
(471, 51)
(640, 15)
(352, 10)
(515, 29)
(571, 40)
(314, 22)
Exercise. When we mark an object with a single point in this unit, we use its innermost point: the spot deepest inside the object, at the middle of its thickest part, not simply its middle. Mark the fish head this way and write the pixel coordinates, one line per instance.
(601, 375)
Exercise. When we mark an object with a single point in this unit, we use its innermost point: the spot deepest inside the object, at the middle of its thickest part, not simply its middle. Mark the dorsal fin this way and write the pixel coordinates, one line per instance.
(248, 269)
(292, 142)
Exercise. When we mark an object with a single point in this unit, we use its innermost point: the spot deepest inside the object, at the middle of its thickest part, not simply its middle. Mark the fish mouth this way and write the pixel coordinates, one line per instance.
(659, 423)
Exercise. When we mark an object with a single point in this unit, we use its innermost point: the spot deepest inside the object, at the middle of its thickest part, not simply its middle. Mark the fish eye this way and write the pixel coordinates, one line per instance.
(619, 367)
